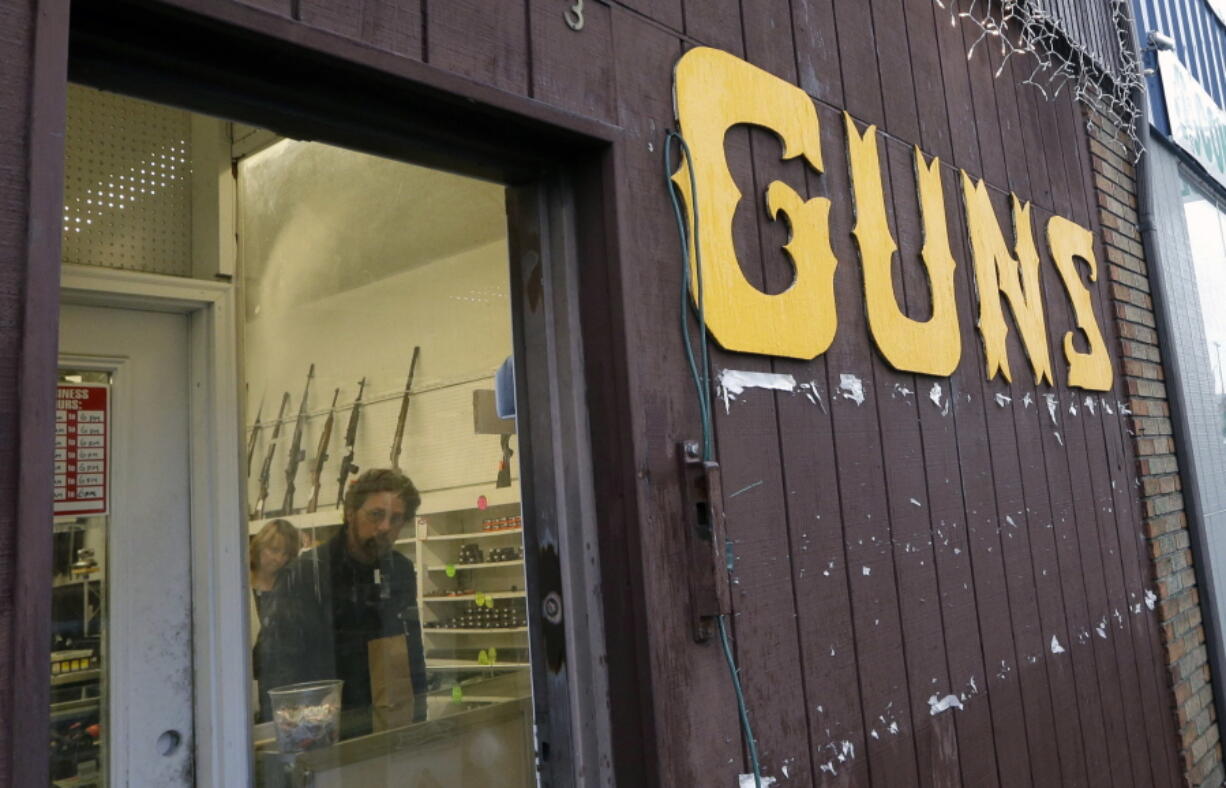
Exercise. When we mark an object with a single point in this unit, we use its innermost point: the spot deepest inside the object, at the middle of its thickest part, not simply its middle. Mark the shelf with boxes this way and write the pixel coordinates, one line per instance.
(471, 592)
(467, 545)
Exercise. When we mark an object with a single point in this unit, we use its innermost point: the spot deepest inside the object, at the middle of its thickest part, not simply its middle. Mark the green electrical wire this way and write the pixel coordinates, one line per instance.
(702, 384)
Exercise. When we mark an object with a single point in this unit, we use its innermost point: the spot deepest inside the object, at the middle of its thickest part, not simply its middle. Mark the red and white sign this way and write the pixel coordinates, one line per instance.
(82, 443)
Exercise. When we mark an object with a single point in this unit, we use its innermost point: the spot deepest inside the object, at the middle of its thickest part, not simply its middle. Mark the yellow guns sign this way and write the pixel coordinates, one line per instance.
(716, 91)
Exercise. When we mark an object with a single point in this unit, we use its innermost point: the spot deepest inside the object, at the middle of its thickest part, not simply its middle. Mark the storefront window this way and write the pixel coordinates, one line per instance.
(78, 597)
(388, 620)
(1206, 223)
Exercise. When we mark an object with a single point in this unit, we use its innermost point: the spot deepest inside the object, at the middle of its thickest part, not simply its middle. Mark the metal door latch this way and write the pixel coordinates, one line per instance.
(706, 538)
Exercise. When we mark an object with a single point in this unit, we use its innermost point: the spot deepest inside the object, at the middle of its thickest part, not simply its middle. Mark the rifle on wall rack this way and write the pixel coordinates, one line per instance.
(398, 439)
(266, 467)
(321, 455)
(351, 438)
(296, 453)
(254, 436)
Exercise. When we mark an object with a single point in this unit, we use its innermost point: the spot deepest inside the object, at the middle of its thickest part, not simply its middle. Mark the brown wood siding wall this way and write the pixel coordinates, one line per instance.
(887, 552)
(33, 40)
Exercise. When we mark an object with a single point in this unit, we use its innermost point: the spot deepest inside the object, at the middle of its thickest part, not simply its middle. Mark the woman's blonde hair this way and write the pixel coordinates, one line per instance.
(273, 529)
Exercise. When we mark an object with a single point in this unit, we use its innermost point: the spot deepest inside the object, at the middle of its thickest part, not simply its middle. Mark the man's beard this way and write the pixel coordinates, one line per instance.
(376, 548)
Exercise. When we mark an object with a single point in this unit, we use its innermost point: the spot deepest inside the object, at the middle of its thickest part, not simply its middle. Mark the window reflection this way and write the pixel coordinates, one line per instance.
(388, 620)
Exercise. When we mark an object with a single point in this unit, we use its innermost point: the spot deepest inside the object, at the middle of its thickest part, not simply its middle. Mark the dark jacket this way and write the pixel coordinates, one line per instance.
(324, 610)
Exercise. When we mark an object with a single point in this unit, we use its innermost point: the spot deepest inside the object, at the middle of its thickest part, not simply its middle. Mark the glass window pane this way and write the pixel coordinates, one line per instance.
(78, 603)
(388, 621)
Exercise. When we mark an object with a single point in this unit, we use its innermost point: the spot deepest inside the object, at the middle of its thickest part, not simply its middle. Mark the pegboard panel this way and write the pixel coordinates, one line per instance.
(127, 184)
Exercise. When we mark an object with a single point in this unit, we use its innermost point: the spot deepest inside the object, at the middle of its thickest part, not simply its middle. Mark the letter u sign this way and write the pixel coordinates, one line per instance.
(716, 91)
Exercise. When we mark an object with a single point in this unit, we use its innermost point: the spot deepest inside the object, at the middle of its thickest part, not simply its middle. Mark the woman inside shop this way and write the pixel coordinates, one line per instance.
(271, 550)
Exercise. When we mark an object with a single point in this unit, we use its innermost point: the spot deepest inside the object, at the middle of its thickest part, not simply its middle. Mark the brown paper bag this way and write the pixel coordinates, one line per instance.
(391, 687)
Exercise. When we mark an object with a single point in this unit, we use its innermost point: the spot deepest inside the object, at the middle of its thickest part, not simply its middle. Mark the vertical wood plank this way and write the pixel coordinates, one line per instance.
(1028, 406)
(573, 69)
(1012, 523)
(666, 12)
(894, 68)
(486, 42)
(983, 102)
(715, 23)
(934, 135)
(390, 25)
(1008, 122)
(869, 554)
(989, 584)
(957, 89)
(693, 710)
(1065, 422)
(33, 79)
(858, 61)
(768, 642)
(911, 511)
(817, 50)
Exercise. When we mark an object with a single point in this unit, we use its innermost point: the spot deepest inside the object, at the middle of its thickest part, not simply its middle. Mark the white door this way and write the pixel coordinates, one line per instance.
(148, 647)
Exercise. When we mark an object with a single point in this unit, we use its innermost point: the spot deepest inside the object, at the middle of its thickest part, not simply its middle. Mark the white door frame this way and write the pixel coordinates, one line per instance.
(221, 654)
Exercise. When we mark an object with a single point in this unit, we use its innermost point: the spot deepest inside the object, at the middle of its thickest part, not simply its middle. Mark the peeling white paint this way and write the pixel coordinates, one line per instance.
(866, 571)
(1124, 409)
(1072, 408)
(733, 382)
(1106, 406)
(1003, 399)
(934, 394)
(1101, 629)
(1150, 599)
(1027, 400)
(1058, 438)
(873, 732)
(1056, 648)
(915, 502)
(901, 391)
(852, 388)
(1009, 520)
(1089, 403)
(813, 393)
(747, 781)
(893, 728)
(937, 705)
(1051, 406)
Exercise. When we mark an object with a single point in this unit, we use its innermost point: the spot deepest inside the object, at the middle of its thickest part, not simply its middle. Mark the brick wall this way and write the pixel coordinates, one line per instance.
(1166, 528)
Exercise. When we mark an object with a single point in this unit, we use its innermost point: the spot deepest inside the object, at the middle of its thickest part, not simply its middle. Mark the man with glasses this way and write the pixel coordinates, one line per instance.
(334, 602)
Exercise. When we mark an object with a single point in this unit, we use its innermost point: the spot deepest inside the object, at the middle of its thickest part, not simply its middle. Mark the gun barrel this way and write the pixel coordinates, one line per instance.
(398, 438)
(266, 466)
(351, 437)
(321, 454)
(295, 449)
(254, 436)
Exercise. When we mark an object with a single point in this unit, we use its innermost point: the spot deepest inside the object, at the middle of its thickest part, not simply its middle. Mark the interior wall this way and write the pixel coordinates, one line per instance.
(349, 262)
